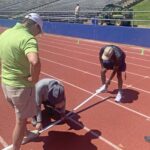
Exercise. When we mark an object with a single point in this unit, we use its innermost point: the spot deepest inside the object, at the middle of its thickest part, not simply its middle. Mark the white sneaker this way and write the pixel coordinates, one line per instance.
(118, 97)
(101, 89)
(30, 136)
(10, 147)
(33, 121)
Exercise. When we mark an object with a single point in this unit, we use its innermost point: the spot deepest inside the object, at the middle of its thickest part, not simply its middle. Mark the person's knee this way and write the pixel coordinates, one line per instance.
(119, 75)
(103, 71)
(21, 122)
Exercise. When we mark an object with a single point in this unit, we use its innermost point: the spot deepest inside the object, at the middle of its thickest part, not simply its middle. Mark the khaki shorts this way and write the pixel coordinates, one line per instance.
(22, 99)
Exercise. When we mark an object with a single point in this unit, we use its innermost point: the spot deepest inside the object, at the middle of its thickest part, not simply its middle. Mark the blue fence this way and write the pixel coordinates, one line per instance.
(125, 35)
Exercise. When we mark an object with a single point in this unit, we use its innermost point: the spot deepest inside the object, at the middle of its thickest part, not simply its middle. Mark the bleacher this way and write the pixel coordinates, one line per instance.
(62, 8)
(5, 3)
(51, 9)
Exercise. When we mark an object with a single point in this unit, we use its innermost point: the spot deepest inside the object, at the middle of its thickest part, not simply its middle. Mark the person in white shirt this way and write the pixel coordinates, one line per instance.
(77, 11)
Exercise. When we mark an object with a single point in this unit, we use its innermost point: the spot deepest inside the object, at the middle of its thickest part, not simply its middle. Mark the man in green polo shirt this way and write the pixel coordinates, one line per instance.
(20, 71)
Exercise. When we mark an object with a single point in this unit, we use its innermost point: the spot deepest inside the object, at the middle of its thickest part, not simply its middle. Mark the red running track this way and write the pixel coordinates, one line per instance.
(100, 124)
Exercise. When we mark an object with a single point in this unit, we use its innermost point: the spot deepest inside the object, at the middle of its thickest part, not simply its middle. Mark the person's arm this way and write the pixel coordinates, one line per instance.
(100, 57)
(35, 66)
(39, 118)
(111, 76)
(63, 110)
(38, 100)
(115, 69)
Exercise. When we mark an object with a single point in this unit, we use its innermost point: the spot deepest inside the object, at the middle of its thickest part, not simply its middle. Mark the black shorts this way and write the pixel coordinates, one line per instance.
(110, 64)
(50, 111)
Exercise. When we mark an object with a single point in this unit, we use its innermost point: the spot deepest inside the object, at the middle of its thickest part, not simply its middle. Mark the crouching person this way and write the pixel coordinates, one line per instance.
(50, 93)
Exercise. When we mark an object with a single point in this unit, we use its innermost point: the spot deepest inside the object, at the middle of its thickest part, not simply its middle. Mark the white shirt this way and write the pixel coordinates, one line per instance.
(77, 9)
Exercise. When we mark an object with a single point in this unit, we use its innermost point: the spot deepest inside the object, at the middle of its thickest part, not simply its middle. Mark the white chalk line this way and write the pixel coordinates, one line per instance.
(3, 142)
(85, 128)
(88, 62)
(94, 41)
(119, 105)
(86, 72)
(137, 48)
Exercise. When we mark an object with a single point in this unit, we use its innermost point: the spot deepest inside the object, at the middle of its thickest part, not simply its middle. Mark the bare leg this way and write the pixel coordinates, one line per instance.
(19, 132)
(103, 76)
(120, 81)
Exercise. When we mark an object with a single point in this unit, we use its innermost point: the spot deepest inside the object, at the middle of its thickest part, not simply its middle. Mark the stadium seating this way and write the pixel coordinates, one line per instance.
(52, 5)
(57, 8)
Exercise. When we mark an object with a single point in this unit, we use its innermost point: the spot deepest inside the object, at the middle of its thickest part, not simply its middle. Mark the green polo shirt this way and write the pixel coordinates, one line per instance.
(15, 44)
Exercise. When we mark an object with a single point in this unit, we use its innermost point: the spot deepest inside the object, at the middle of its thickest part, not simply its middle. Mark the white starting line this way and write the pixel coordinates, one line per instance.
(85, 128)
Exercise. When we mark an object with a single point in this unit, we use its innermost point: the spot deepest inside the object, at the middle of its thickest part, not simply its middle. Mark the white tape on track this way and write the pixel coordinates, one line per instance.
(76, 108)
(58, 121)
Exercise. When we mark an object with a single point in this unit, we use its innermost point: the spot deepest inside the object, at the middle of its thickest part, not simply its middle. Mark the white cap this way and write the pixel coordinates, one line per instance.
(108, 51)
(36, 18)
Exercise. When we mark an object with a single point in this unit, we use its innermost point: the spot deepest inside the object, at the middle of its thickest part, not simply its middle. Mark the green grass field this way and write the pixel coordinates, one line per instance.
(142, 6)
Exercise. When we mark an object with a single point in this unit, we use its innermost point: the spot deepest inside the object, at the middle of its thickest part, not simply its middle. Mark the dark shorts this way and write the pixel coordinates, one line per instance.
(109, 64)
(51, 112)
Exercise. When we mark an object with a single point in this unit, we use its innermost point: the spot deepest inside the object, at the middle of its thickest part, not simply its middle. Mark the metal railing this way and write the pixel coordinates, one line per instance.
(86, 17)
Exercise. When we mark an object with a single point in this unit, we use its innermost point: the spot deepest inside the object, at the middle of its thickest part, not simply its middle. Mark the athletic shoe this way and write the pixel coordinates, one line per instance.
(118, 97)
(147, 138)
(101, 89)
(33, 121)
(30, 136)
(10, 147)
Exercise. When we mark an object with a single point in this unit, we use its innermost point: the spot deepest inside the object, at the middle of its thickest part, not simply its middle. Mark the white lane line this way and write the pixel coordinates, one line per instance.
(83, 53)
(146, 60)
(87, 49)
(137, 48)
(96, 135)
(9, 147)
(101, 138)
(76, 108)
(84, 127)
(85, 72)
(142, 66)
(119, 105)
(3, 142)
(146, 77)
(77, 59)
(129, 86)
(94, 41)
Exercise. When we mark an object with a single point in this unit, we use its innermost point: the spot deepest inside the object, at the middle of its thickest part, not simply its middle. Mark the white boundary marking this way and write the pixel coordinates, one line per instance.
(98, 136)
(3, 142)
(91, 62)
(119, 105)
(90, 54)
(77, 107)
(95, 41)
(87, 49)
(8, 147)
(135, 48)
(91, 74)
(85, 128)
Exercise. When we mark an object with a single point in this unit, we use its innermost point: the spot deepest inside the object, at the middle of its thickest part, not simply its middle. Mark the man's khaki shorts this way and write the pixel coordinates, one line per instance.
(22, 99)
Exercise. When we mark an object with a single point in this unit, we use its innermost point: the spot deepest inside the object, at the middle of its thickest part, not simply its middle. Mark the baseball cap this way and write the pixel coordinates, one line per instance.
(55, 92)
(36, 18)
(108, 51)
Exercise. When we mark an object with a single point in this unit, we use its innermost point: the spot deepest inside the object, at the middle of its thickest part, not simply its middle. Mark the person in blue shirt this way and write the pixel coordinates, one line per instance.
(111, 57)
